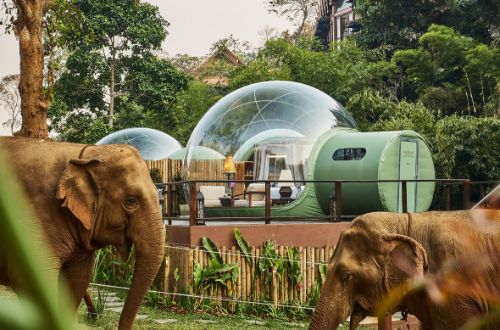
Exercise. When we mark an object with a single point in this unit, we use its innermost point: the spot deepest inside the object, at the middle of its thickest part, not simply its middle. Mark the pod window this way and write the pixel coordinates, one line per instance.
(349, 154)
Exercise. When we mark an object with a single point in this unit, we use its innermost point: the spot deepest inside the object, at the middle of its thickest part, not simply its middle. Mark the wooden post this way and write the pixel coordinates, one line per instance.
(466, 194)
(302, 253)
(164, 204)
(170, 203)
(338, 201)
(242, 276)
(274, 283)
(256, 278)
(190, 267)
(282, 252)
(404, 196)
(310, 279)
(267, 215)
(192, 204)
(249, 272)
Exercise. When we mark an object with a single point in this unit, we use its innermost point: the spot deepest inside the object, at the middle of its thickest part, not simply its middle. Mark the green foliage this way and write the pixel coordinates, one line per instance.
(216, 272)
(212, 250)
(99, 302)
(243, 245)
(450, 72)
(405, 115)
(190, 107)
(78, 126)
(341, 71)
(111, 66)
(314, 295)
(468, 147)
(293, 265)
(110, 269)
(257, 71)
(155, 175)
(157, 300)
(323, 270)
(270, 262)
(368, 106)
(398, 24)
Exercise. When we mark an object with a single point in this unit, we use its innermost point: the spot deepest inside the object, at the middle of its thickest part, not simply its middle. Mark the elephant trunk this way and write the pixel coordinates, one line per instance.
(148, 237)
(328, 317)
(332, 308)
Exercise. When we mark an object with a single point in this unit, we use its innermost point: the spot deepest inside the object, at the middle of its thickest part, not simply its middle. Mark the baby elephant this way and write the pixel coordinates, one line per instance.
(85, 198)
(385, 252)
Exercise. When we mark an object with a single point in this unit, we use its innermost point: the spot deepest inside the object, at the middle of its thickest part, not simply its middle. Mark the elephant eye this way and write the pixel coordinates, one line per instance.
(346, 276)
(131, 202)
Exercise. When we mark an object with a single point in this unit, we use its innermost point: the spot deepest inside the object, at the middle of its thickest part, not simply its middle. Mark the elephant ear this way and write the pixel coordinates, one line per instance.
(79, 190)
(405, 259)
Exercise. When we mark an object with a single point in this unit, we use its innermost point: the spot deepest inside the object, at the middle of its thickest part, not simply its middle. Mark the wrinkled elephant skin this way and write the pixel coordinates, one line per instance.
(85, 198)
(382, 251)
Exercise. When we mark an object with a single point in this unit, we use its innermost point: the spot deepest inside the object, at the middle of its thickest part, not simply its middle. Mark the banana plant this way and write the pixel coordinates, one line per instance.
(216, 272)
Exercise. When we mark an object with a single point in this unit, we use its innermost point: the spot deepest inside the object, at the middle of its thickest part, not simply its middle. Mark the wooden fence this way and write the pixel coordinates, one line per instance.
(251, 284)
(171, 170)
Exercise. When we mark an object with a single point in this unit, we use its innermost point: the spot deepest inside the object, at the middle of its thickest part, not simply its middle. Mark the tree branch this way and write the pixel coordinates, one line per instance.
(24, 9)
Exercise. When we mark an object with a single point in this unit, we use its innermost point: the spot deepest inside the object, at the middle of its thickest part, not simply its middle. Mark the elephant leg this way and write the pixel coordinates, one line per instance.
(77, 276)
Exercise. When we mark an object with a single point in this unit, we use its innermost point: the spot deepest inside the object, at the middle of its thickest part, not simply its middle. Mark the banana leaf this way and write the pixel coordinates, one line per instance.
(212, 250)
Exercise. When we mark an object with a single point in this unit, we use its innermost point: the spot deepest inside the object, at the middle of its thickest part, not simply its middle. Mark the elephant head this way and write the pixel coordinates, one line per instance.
(110, 193)
(365, 266)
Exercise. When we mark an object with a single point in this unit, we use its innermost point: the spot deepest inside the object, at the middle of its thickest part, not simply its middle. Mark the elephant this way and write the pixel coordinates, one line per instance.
(384, 252)
(86, 197)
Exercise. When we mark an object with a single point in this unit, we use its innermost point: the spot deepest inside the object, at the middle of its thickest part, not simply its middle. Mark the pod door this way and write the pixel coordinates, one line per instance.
(408, 169)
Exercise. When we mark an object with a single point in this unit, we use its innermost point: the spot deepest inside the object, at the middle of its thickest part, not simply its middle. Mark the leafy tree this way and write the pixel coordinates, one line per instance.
(112, 71)
(191, 106)
(399, 24)
(186, 63)
(256, 71)
(451, 72)
(80, 125)
(340, 72)
(467, 147)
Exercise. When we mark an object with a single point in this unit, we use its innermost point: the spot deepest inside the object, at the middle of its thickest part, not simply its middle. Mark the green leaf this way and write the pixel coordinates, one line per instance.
(323, 269)
(244, 247)
(212, 250)
(197, 274)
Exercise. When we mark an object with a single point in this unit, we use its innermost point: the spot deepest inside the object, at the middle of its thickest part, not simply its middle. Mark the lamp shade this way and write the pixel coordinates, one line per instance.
(229, 166)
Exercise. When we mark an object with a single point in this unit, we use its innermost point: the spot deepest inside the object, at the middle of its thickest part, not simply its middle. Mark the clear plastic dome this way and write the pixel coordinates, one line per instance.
(152, 144)
(272, 111)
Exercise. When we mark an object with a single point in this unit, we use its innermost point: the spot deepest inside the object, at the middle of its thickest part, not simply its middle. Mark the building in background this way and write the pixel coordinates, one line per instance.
(336, 20)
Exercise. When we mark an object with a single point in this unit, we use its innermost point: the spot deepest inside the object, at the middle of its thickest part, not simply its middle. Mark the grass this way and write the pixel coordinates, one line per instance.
(109, 320)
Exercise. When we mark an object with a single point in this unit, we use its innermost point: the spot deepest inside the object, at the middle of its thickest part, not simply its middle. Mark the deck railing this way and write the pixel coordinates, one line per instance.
(189, 188)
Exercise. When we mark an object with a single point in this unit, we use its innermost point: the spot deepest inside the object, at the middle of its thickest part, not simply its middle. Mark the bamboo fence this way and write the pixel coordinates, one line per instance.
(171, 169)
(250, 286)
(199, 170)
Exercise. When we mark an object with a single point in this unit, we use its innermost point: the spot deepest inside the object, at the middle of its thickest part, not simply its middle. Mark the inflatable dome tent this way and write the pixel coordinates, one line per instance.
(152, 144)
(282, 130)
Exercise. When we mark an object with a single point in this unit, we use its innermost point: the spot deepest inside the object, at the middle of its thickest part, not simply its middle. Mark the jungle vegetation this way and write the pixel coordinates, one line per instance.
(435, 70)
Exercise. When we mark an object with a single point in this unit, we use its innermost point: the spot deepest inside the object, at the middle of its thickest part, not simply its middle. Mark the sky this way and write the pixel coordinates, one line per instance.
(194, 26)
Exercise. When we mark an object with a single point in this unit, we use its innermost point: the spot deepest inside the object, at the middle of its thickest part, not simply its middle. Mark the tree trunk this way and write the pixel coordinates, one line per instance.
(34, 103)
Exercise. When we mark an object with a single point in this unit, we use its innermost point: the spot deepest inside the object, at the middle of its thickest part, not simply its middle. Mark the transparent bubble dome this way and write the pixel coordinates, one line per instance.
(266, 111)
(152, 144)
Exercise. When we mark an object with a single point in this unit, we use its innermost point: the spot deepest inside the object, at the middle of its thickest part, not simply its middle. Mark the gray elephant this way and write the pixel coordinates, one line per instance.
(85, 198)
(382, 252)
